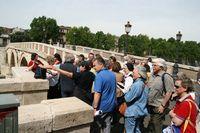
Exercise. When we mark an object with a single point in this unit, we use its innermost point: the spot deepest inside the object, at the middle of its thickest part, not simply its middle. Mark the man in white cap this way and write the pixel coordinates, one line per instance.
(161, 87)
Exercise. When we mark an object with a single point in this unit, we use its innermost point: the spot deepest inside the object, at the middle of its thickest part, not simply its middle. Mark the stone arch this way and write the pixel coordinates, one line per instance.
(6, 58)
(24, 59)
(12, 60)
(23, 62)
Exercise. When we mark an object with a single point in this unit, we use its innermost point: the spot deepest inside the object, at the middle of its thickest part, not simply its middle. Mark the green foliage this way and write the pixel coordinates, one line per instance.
(20, 37)
(43, 29)
(170, 50)
(122, 42)
(83, 36)
(1, 30)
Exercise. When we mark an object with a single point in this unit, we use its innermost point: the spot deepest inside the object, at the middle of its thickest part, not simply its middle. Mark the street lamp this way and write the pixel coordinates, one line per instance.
(175, 67)
(74, 47)
(44, 37)
(127, 30)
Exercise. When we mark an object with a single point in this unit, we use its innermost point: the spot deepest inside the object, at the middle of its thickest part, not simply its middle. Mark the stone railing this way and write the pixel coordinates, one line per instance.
(23, 84)
(47, 49)
(57, 115)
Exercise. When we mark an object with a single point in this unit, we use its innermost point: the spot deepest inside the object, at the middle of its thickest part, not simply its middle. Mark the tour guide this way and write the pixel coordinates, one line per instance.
(104, 96)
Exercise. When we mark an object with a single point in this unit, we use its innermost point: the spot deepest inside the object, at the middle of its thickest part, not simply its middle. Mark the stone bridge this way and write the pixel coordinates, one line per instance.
(19, 54)
(36, 114)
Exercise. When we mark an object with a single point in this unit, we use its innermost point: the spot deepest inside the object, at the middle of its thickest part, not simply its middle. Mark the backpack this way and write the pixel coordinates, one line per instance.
(40, 73)
(163, 81)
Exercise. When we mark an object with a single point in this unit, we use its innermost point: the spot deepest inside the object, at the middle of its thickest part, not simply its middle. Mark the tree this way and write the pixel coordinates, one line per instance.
(1, 30)
(43, 29)
(20, 37)
(82, 36)
(121, 43)
(109, 43)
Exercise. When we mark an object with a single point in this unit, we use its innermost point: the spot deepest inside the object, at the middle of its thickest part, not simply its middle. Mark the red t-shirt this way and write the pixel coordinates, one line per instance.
(182, 110)
(35, 64)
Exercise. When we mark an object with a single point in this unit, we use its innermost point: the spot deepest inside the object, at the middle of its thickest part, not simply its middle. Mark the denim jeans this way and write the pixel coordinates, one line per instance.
(132, 124)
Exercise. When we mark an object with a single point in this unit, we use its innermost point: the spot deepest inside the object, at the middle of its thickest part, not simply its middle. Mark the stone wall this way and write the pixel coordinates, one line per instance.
(57, 115)
(2, 56)
(28, 89)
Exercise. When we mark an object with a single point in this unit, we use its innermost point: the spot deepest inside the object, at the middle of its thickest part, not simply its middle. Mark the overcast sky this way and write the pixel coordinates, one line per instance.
(155, 18)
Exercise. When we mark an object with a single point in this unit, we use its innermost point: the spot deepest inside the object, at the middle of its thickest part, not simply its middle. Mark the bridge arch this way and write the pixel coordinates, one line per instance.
(23, 59)
(6, 59)
(12, 60)
(23, 62)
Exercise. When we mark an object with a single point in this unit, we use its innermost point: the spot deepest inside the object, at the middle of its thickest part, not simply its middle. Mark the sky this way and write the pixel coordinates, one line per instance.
(154, 18)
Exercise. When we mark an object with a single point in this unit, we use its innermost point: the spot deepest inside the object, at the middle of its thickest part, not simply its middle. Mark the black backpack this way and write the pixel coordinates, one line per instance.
(40, 73)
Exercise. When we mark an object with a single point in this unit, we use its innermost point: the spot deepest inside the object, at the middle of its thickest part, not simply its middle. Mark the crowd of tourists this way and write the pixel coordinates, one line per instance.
(136, 93)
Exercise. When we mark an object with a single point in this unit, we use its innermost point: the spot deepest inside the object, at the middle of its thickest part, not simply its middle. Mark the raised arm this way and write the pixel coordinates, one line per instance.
(66, 73)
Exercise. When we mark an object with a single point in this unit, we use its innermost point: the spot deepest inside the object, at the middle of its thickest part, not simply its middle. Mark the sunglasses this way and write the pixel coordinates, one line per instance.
(177, 86)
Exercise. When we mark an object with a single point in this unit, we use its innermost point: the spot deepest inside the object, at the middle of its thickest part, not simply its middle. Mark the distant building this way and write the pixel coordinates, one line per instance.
(16, 29)
(5, 35)
(63, 30)
(6, 30)
(4, 40)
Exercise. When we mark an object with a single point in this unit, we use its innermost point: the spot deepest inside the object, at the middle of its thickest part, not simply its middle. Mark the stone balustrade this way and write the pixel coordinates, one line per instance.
(57, 115)
(23, 84)
(46, 49)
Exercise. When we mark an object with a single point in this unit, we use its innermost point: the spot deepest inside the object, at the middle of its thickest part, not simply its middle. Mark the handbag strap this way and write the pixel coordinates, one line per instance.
(194, 104)
(188, 118)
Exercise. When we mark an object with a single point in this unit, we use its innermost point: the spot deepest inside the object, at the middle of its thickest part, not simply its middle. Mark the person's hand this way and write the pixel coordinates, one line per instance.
(172, 114)
(95, 111)
(174, 95)
(26, 70)
(161, 109)
(53, 68)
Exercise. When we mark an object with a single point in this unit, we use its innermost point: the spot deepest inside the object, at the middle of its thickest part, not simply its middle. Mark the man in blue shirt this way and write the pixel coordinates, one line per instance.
(104, 95)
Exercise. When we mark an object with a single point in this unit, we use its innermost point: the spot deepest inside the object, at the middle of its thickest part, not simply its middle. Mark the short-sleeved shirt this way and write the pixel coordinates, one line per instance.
(156, 93)
(182, 110)
(105, 84)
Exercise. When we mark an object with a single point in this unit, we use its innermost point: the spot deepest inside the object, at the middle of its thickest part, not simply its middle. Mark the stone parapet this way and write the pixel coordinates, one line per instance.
(57, 115)
(28, 89)
(45, 49)
(5, 70)
(35, 118)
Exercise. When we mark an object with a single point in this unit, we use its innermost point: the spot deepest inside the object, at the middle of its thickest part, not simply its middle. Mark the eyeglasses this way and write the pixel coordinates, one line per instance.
(176, 86)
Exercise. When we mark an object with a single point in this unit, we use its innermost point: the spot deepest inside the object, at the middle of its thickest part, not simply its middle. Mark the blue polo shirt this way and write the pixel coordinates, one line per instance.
(105, 83)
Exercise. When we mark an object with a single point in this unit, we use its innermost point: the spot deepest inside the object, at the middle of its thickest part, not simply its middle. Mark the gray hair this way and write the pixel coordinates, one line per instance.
(142, 71)
(69, 58)
(50, 59)
(160, 62)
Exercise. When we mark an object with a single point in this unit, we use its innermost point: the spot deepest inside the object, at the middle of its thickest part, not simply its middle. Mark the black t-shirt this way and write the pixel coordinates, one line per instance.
(84, 80)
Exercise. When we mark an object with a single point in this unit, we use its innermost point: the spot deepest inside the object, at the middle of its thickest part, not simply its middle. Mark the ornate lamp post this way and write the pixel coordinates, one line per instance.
(74, 47)
(45, 35)
(175, 67)
(127, 30)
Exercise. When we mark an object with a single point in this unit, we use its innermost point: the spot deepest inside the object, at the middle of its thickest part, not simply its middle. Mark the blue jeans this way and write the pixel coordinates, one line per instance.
(132, 124)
